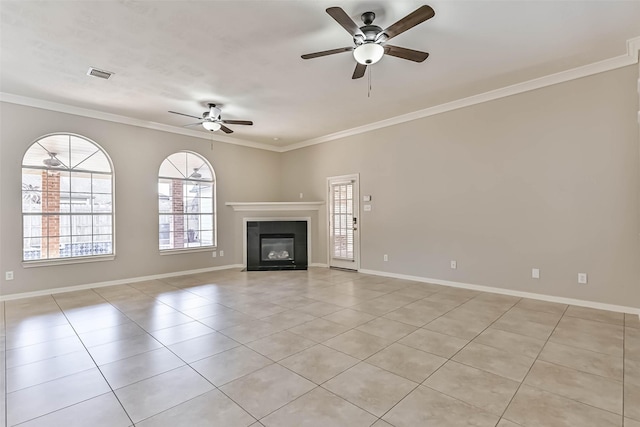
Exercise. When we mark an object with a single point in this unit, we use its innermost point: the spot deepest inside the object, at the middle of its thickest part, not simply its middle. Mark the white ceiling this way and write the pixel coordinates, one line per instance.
(245, 55)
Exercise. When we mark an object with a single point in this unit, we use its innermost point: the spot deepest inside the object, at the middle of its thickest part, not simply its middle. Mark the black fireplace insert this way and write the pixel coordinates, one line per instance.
(276, 245)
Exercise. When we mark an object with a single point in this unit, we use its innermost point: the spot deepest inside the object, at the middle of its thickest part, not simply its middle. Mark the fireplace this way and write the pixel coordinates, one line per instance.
(276, 245)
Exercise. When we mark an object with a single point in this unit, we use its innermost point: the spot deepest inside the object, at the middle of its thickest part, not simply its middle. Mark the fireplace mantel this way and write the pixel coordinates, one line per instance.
(274, 206)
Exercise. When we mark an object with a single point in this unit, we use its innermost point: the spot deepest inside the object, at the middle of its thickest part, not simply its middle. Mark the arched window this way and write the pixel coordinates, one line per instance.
(186, 202)
(67, 199)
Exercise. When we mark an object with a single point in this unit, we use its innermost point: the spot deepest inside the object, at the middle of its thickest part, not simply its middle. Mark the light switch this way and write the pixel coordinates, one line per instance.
(367, 208)
(366, 198)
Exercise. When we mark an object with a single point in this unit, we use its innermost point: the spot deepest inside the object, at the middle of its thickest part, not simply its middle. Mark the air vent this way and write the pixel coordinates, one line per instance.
(99, 73)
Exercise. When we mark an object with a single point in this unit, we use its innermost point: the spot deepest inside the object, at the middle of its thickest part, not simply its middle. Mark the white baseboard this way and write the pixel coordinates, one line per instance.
(521, 294)
(482, 288)
(114, 282)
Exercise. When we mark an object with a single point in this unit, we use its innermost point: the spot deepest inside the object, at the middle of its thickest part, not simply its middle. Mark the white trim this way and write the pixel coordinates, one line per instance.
(94, 114)
(631, 57)
(164, 252)
(503, 291)
(274, 206)
(353, 177)
(319, 265)
(244, 234)
(113, 282)
(64, 261)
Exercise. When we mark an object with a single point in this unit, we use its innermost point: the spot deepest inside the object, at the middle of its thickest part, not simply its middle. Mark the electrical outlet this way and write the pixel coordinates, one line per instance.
(385, 257)
(214, 254)
(8, 275)
(221, 253)
(582, 278)
(454, 264)
(535, 273)
(301, 195)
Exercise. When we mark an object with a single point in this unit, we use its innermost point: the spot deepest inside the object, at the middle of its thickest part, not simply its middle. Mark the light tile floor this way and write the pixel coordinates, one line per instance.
(314, 348)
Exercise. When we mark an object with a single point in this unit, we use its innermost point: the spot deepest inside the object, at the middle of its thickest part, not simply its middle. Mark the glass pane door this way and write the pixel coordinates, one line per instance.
(343, 222)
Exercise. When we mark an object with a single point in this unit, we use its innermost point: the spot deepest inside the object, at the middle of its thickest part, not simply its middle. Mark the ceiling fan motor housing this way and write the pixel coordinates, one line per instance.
(369, 30)
(214, 113)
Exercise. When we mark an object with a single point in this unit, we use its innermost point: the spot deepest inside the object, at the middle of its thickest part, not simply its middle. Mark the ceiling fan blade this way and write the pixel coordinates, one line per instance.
(345, 21)
(238, 122)
(359, 71)
(404, 53)
(188, 115)
(225, 129)
(416, 17)
(326, 52)
(192, 124)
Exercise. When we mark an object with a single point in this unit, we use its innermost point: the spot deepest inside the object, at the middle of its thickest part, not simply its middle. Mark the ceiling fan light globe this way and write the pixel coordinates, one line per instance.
(211, 126)
(368, 53)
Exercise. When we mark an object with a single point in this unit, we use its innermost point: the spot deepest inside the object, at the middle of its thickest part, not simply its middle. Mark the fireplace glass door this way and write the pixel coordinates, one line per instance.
(277, 247)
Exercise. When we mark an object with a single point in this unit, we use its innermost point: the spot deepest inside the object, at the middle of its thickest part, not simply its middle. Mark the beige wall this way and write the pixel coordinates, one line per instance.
(243, 174)
(547, 179)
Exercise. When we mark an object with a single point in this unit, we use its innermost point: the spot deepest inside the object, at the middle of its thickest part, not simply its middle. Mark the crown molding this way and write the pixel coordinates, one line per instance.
(630, 58)
(94, 114)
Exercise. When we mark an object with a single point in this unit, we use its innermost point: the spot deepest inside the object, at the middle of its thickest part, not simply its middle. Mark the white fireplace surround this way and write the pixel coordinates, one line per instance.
(278, 207)
(288, 218)
(274, 206)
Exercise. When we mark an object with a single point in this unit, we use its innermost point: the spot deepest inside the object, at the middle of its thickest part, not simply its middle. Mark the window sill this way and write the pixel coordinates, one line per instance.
(187, 250)
(65, 261)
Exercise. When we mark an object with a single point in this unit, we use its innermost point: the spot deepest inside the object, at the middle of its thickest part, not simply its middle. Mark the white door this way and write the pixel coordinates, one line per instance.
(344, 240)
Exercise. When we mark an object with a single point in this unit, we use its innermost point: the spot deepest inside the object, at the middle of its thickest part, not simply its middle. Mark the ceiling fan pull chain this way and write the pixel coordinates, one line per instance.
(369, 90)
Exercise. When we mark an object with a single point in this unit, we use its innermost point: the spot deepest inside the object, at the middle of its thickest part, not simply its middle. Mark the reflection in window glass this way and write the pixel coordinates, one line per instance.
(67, 199)
(186, 202)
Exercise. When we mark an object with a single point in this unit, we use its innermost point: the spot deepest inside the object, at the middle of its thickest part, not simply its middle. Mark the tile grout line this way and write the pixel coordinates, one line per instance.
(91, 356)
(321, 343)
(250, 288)
(393, 342)
(453, 355)
(110, 303)
(172, 352)
(534, 362)
(97, 366)
(189, 364)
(163, 346)
(65, 376)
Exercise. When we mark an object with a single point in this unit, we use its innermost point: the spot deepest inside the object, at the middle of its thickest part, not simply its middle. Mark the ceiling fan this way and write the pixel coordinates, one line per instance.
(52, 161)
(370, 40)
(211, 120)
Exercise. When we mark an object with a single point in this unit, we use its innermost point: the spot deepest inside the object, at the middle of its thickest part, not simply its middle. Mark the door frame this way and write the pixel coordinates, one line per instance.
(355, 177)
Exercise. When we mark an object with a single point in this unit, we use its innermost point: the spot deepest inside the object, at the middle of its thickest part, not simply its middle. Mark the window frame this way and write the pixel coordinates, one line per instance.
(186, 181)
(73, 259)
